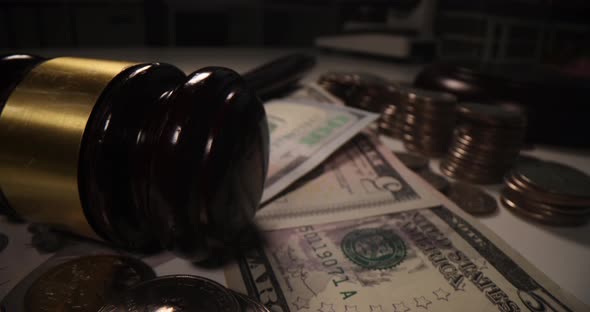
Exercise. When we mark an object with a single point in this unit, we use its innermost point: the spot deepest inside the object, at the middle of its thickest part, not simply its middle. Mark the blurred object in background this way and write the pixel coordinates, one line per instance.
(98, 23)
(504, 31)
(513, 31)
(554, 100)
(73, 23)
(400, 29)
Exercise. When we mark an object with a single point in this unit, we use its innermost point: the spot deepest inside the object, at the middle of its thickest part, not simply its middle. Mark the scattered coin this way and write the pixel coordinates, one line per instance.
(248, 304)
(486, 143)
(178, 293)
(3, 241)
(548, 192)
(412, 161)
(84, 283)
(472, 199)
(437, 181)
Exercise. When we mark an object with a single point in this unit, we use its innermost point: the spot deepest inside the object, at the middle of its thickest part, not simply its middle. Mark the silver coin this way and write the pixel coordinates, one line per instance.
(83, 283)
(248, 304)
(472, 199)
(531, 212)
(412, 161)
(555, 178)
(178, 293)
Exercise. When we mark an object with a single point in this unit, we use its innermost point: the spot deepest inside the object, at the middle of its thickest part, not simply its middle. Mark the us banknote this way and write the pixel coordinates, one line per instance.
(415, 251)
(313, 91)
(303, 134)
(428, 259)
(360, 178)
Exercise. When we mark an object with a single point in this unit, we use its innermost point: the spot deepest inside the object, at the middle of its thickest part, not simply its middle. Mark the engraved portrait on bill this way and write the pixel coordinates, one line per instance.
(428, 259)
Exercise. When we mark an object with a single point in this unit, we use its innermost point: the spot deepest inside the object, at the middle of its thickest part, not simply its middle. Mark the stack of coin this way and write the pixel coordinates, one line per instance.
(360, 90)
(391, 122)
(182, 293)
(548, 192)
(486, 143)
(428, 121)
(419, 164)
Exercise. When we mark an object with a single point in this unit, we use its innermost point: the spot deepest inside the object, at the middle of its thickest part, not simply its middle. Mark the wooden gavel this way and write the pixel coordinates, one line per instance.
(139, 155)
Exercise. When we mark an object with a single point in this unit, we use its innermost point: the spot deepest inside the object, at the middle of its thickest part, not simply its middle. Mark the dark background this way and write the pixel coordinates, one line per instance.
(532, 31)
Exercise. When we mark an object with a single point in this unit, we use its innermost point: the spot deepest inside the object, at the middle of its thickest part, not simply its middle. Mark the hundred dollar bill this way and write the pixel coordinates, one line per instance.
(303, 134)
(359, 179)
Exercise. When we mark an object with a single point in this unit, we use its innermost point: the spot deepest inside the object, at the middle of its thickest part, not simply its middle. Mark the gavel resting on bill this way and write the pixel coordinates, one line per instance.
(138, 155)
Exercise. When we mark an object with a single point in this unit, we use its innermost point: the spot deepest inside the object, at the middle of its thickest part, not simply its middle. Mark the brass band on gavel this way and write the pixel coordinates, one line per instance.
(41, 130)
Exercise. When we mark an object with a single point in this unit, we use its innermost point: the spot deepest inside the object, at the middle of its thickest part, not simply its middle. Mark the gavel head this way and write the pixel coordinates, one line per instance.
(139, 155)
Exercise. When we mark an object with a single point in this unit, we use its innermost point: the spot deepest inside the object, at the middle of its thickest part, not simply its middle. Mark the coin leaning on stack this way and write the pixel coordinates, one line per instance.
(548, 193)
(485, 144)
(428, 121)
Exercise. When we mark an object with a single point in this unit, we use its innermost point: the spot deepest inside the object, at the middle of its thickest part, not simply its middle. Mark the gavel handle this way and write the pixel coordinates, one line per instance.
(279, 75)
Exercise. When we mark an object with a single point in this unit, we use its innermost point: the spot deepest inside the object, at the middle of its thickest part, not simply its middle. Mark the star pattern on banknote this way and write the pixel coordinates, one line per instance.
(326, 307)
(441, 294)
(422, 302)
(376, 308)
(348, 308)
(400, 307)
(301, 303)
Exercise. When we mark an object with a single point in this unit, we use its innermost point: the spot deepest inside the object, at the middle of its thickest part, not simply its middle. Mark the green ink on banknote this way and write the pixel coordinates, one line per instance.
(374, 248)
(324, 131)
